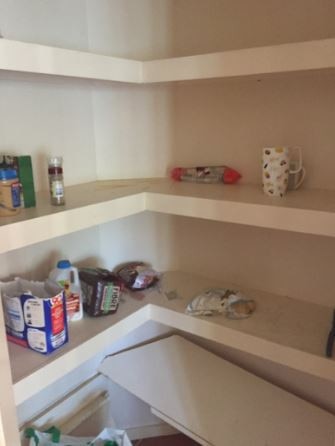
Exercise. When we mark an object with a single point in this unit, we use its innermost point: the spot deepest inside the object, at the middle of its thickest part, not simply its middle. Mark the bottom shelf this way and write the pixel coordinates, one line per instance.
(213, 401)
(283, 330)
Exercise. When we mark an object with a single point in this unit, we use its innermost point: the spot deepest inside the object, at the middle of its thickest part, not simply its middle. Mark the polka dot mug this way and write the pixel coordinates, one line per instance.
(276, 169)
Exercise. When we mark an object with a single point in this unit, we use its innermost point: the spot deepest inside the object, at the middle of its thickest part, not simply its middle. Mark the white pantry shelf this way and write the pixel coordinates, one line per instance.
(285, 58)
(214, 401)
(91, 204)
(87, 205)
(42, 59)
(283, 330)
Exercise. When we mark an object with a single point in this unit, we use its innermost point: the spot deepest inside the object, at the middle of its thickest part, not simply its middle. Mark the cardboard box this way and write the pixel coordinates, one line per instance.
(23, 166)
(35, 314)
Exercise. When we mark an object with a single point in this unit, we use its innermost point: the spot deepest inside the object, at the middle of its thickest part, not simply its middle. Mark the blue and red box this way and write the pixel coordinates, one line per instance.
(35, 314)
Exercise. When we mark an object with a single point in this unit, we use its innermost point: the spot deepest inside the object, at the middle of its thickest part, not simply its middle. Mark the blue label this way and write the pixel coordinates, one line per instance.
(16, 200)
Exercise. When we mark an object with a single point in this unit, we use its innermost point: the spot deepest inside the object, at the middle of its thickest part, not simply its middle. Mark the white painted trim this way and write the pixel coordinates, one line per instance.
(290, 57)
(41, 59)
(8, 420)
(91, 204)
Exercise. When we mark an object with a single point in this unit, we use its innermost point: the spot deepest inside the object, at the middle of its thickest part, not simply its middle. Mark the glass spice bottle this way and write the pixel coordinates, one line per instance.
(56, 182)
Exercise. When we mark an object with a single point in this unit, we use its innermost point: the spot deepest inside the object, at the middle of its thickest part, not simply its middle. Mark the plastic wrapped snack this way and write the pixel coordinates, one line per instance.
(137, 276)
(221, 300)
(208, 174)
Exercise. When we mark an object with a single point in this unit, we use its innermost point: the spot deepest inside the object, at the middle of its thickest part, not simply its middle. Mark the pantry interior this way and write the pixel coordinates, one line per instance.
(120, 130)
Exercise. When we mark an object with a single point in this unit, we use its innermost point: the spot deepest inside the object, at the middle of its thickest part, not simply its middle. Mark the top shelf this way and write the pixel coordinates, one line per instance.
(91, 204)
(293, 57)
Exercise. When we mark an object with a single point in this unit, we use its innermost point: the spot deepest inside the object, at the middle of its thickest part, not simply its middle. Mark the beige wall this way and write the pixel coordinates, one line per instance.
(218, 25)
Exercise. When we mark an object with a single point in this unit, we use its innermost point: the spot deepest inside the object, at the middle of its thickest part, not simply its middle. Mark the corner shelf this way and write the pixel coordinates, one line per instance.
(281, 330)
(285, 58)
(42, 59)
(91, 204)
(291, 57)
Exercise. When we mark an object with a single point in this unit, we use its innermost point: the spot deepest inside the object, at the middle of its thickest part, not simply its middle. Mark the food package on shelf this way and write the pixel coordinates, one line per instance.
(221, 300)
(35, 314)
(137, 276)
(101, 291)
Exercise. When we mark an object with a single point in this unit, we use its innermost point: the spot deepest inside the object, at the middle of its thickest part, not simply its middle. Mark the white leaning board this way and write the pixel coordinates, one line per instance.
(215, 400)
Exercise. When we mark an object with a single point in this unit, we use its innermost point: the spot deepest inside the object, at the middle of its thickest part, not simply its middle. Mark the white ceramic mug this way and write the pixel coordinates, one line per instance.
(277, 167)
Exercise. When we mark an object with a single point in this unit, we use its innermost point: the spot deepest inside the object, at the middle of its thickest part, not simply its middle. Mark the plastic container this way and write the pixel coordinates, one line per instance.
(56, 181)
(67, 277)
(10, 200)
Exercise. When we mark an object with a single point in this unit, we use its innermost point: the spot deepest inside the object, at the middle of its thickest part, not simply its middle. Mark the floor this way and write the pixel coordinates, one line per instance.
(170, 440)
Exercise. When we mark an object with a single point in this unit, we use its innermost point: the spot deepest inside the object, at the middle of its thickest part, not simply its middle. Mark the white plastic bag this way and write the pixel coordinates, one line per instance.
(108, 437)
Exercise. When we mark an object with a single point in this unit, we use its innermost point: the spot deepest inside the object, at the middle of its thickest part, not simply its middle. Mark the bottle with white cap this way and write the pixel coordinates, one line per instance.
(67, 276)
(56, 181)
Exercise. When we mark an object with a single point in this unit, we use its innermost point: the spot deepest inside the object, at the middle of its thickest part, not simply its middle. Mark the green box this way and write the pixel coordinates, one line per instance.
(23, 166)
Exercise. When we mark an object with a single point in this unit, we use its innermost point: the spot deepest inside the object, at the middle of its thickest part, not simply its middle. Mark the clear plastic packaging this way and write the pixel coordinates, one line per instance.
(221, 300)
(208, 174)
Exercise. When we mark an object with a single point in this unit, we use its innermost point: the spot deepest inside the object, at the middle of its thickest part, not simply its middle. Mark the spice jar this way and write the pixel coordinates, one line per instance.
(10, 200)
(56, 182)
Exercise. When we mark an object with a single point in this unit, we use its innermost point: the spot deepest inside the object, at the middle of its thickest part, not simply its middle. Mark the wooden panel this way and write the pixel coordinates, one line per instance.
(216, 400)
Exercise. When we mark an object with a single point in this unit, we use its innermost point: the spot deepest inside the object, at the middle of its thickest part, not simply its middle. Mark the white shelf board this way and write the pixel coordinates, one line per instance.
(283, 330)
(32, 372)
(215, 402)
(87, 205)
(285, 58)
(303, 211)
(291, 57)
(42, 59)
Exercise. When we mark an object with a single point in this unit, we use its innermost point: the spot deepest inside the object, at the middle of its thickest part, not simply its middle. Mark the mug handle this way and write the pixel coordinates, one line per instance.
(300, 164)
(303, 174)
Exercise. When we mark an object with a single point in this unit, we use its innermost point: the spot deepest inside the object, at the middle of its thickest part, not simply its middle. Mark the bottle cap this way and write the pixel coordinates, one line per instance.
(8, 174)
(64, 264)
(55, 160)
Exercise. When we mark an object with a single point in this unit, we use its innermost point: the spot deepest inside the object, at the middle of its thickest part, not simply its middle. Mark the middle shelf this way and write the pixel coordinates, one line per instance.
(91, 204)
(285, 331)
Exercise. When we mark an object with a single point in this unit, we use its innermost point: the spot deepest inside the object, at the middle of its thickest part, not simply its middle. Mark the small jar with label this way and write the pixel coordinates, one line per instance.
(10, 191)
(56, 182)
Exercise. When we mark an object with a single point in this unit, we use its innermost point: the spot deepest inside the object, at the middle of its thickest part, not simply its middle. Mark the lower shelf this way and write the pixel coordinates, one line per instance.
(283, 330)
(213, 401)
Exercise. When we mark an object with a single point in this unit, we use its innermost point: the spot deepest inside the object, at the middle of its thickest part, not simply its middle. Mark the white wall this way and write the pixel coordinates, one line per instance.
(130, 28)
